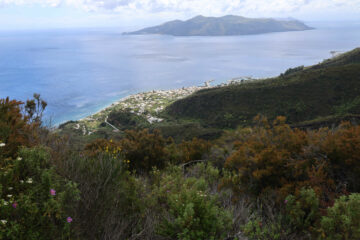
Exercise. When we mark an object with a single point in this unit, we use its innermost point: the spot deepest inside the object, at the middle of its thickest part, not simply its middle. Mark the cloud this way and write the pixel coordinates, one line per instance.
(206, 7)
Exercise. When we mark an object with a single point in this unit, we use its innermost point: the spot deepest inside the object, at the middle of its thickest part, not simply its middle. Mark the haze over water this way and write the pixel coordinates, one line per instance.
(78, 72)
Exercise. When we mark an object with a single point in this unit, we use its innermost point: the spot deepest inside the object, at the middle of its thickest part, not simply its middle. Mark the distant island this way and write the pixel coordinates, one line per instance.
(223, 26)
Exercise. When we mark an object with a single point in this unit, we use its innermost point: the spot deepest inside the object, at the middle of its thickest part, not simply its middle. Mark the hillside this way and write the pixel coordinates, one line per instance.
(223, 26)
(321, 93)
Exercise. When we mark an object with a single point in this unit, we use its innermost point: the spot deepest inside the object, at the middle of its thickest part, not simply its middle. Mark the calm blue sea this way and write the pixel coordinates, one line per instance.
(81, 71)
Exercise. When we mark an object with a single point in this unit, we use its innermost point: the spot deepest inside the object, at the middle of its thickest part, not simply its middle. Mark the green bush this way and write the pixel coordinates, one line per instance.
(343, 219)
(190, 211)
(112, 201)
(257, 229)
(303, 210)
(35, 202)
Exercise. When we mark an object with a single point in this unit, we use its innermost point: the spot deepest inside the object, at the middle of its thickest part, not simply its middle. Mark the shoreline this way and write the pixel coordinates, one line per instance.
(178, 92)
(144, 104)
(148, 105)
(171, 94)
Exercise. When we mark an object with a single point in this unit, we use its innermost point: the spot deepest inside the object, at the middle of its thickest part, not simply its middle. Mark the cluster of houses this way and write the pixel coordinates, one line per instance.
(149, 104)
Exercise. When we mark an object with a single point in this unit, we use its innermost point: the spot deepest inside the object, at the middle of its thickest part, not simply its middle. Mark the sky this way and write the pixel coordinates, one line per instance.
(127, 14)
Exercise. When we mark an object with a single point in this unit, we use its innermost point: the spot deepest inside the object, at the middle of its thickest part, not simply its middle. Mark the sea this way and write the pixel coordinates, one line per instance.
(80, 71)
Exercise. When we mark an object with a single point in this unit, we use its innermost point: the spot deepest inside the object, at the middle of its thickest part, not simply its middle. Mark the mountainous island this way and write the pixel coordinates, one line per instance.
(223, 26)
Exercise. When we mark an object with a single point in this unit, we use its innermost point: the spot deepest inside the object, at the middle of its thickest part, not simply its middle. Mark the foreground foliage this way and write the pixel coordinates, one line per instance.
(268, 181)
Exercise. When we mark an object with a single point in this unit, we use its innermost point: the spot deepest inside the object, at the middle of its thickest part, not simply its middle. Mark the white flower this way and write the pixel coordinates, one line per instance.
(21, 181)
(9, 195)
(5, 203)
(2, 144)
(19, 158)
(29, 180)
(10, 188)
(3, 222)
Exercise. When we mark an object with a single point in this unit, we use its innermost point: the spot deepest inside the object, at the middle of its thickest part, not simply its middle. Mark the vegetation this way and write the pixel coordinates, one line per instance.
(328, 90)
(263, 180)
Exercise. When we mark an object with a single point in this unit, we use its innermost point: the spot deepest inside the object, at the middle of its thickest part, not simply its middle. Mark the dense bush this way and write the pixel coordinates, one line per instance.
(303, 210)
(14, 128)
(342, 219)
(259, 228)
(194, 149)
(102, 146)
(144, 150)
(35, 202)
(342, 150)
(262, 158)
(275, 157)
(19, 124)
(189, 210)
(112, 200)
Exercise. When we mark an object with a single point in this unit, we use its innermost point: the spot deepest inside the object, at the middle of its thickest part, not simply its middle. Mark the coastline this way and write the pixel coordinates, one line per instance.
(145, 104)
(170, 94)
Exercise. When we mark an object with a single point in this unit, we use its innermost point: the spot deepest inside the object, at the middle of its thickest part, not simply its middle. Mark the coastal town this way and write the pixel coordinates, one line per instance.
(145, 104)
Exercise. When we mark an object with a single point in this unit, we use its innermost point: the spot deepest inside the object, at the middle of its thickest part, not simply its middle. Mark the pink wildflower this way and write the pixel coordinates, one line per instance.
(15, 204)
(52, 192)
(285, 201)
(69, 219)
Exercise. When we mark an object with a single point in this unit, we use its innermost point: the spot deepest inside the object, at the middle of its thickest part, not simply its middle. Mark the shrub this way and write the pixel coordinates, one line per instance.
(112, 201)
(194, 149)
(261, 159)
(303, 210)
(189, 210)
(260, 229)
(35, 202)
(14, 128)
(144, 150)
(276, 158)
(342, 150)
(342, 220)
(101, 146)
(19, 124)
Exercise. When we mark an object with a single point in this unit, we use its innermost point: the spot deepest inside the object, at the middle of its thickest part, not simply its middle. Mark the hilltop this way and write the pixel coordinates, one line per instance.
(224, 26)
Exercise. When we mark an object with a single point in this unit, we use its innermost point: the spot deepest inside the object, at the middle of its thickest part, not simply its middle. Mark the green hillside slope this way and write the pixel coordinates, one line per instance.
(330, 90)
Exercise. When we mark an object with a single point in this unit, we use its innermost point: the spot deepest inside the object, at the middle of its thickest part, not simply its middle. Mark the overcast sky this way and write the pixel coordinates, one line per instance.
(28, 14)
